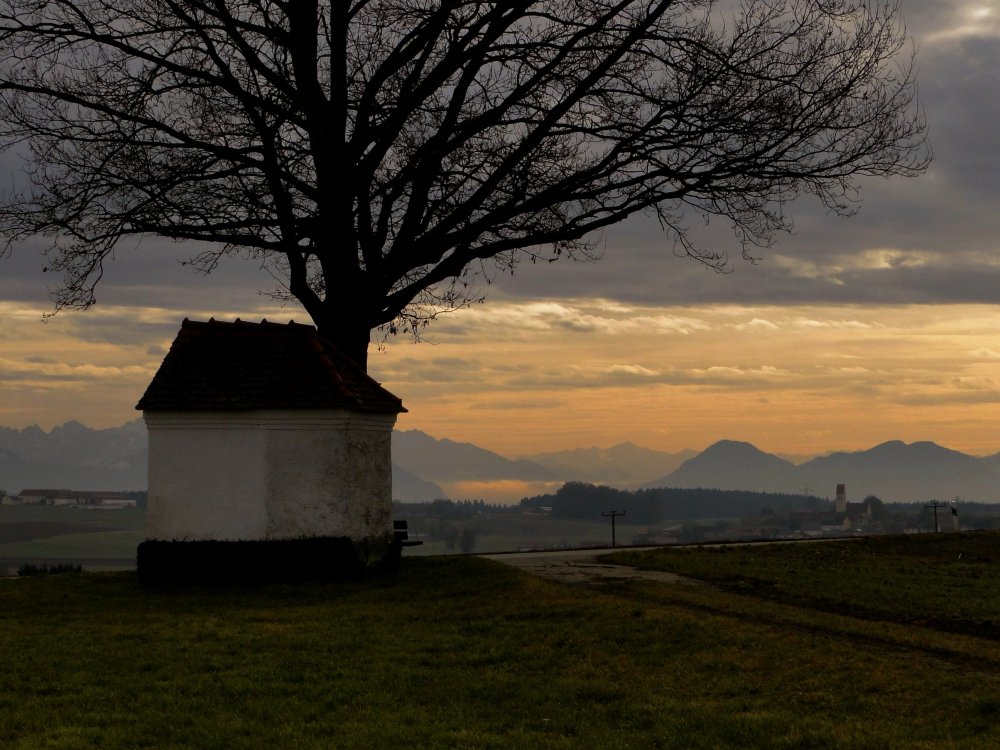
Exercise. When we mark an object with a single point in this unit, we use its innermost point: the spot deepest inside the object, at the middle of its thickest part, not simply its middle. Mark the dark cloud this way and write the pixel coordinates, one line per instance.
(147, 273)
(950, 212)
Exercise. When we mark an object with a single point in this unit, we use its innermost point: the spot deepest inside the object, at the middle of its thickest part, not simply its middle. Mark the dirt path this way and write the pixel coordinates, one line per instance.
(582, 566)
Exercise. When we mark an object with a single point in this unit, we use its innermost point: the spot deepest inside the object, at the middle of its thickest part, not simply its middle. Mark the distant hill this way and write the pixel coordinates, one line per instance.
(74, 456)
(893, 471)
(622, 464)
(409, 487)
(733, 465)
(993, 462)
(447, 461)
(897, 471)
(74, 444)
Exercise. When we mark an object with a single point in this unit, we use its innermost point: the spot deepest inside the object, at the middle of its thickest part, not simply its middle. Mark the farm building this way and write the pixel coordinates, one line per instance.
(77, 498)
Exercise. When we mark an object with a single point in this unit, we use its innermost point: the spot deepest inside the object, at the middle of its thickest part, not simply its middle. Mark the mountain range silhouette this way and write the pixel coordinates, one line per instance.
(74, 456)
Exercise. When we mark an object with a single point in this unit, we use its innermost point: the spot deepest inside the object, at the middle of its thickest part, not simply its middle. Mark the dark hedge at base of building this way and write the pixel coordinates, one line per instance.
(258, 561)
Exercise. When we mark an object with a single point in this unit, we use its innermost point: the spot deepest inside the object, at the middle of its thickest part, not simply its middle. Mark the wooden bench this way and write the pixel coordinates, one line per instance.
(401, 534)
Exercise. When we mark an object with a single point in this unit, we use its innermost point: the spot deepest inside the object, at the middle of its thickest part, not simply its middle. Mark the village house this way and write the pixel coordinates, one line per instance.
(266, 432)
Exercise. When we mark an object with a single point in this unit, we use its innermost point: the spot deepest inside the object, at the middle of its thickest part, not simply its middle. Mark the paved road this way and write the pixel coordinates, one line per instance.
(582, 566)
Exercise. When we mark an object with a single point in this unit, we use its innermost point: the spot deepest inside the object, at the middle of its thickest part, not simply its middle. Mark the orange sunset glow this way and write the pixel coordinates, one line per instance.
(575, 373)
(844, 334)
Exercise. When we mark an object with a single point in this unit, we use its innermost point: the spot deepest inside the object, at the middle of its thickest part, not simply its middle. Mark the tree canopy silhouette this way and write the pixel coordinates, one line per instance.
(383, 156)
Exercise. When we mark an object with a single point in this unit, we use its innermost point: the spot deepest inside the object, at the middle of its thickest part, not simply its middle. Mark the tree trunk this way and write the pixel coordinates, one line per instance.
(350, 335)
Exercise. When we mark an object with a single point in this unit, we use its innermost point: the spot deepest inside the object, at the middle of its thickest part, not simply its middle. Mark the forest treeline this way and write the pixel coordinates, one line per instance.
(582, 501)
(579, 500)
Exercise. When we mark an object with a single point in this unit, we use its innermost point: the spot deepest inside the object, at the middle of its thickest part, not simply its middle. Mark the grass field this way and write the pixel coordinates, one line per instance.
(461, 652)
(38, 533)
(947, 581)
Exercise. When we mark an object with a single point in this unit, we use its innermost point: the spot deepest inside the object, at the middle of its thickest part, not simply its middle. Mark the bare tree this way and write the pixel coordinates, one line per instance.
(382, 156)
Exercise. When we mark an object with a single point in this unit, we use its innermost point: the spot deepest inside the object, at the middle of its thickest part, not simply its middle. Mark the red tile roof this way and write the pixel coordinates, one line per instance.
(242, 366)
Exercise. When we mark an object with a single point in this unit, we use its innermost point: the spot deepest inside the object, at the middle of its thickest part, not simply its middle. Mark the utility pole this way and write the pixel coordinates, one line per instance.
(612, 514)
(935, 505)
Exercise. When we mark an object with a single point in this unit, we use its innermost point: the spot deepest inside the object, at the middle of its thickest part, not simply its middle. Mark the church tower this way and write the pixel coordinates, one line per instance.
(841, 498)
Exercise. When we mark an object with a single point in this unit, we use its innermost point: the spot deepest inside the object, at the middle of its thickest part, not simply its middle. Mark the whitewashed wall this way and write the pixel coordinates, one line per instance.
(269, 475)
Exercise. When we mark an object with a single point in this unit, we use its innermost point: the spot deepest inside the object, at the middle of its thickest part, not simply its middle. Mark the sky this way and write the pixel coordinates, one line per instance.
(847, 333)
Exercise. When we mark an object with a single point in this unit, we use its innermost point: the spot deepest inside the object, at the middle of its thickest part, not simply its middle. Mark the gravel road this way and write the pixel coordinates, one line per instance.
(582, 566)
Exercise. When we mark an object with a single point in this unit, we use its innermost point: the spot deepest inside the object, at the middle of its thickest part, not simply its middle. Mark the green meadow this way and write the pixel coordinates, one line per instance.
(950, 582)
(460, 652)
(95, 538)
